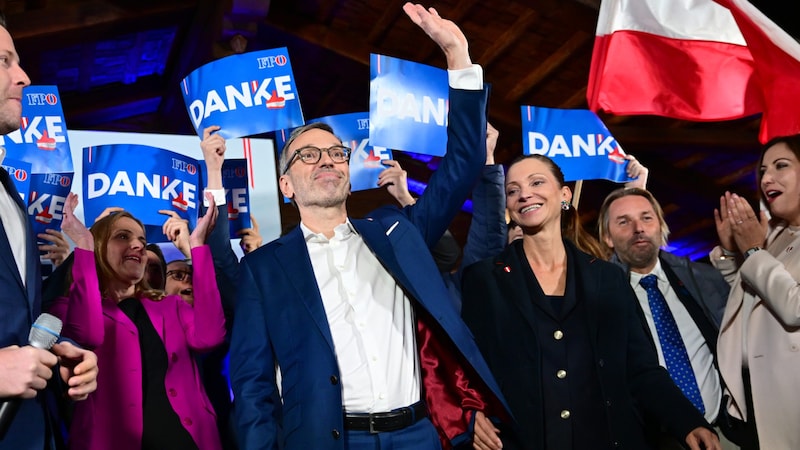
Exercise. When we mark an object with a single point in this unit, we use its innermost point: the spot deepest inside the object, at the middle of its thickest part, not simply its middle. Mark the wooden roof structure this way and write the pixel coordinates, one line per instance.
(118, 64)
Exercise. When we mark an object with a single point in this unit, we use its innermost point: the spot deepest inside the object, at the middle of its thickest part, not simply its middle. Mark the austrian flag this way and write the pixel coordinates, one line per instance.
(700, 60)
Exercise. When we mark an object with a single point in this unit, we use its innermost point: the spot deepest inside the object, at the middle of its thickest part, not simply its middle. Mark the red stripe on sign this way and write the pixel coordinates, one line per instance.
(248, 155)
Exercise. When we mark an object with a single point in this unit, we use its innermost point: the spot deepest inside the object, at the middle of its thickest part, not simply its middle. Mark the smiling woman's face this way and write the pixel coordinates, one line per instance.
(780, 182)
(125, 251)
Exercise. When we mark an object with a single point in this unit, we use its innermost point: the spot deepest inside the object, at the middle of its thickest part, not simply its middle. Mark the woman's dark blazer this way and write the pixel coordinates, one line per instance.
(497, 307)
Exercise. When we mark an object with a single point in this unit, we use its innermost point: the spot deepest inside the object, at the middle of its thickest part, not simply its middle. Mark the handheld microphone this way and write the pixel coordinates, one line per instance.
(44, 333)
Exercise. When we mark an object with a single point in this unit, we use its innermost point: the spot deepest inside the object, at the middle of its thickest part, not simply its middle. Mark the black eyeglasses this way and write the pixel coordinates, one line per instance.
(311, 155)
(180, 275)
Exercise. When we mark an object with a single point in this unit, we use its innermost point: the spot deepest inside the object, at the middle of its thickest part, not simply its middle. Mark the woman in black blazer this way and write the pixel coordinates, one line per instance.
(563, 335)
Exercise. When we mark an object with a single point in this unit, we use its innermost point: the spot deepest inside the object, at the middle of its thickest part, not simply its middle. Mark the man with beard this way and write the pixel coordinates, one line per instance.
(684, 320)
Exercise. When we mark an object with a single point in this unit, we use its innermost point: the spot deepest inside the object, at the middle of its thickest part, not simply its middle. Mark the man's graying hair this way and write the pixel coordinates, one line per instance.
(286, 156)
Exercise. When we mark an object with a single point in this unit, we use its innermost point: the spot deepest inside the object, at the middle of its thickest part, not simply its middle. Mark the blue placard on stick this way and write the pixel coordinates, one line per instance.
(353, 130)
(141, 179)
(20, 174)
(365, 159)
(576, 140)
(408, 105)
(48, 192)
(41, 139)
(237, 193)
(244, 94)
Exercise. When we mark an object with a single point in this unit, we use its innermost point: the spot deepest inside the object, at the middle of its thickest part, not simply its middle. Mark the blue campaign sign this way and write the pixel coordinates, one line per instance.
(42, 137)
(408, 104)
(237, 193)
(245, 94)
(281, 136)
(48, 194)
(365, 159)
(576, 140)
(143, 180)
(20, 174)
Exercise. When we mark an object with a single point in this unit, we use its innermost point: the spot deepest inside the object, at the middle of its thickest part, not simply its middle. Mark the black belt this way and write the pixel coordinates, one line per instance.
(386, 421)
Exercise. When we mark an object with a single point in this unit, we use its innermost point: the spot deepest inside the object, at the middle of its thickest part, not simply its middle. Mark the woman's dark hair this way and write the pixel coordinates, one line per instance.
(791, 141)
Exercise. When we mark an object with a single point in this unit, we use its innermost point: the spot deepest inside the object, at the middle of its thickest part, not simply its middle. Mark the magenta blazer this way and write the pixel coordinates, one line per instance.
(111, 418)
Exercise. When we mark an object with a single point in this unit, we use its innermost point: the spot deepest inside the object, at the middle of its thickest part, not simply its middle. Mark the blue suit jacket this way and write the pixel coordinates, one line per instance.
(280, 318)
(20, 305)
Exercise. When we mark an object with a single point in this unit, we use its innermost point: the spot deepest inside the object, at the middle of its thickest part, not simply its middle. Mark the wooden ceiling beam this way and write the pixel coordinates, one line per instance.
(736, 176)
(456, 16)
(65, 17)
(656, 139)
(326, 10)
(347, 45)
(507, 114)
(507, 39)
(382, 26)
(192, 48)
(549, 65)
(576, 100)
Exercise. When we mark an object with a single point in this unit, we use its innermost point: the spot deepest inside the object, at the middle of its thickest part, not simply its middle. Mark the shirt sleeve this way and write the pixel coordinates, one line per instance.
(219, 196)
(470, 78)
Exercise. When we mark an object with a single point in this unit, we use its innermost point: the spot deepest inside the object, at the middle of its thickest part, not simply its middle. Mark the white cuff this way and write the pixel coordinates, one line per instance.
(219, 196)
(470, 78)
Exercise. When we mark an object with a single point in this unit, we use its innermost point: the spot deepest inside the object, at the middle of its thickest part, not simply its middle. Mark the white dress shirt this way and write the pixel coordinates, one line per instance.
(371, 322)
(14, 222)
(699, 353)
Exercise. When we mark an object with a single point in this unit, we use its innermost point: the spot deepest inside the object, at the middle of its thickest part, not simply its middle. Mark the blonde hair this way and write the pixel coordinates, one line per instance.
(604, 218)
(101, 230)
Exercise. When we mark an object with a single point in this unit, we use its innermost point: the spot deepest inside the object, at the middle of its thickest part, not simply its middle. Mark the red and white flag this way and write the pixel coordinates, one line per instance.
(700, 60)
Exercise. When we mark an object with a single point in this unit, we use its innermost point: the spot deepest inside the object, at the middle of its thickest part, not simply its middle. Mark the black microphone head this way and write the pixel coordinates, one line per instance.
(45, 331)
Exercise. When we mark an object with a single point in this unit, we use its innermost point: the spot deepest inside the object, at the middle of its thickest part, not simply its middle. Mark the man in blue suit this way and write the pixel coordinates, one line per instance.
(344, 334)
(25, 370)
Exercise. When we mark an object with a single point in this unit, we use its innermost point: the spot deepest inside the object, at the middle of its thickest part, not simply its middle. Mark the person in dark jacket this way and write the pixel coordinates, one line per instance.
(562, 335)
(631, 223)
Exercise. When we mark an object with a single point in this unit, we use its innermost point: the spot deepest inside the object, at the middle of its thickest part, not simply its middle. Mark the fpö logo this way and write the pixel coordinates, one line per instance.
(41, 99)
(268, 62)
(56, 179)
(234, 172)
(184, 166)
(18, 174)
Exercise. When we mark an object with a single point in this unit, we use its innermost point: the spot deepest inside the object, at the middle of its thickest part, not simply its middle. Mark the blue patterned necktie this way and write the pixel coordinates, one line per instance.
(675, 355)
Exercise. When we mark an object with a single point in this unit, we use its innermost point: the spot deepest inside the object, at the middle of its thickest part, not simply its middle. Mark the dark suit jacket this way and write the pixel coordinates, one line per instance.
(280, 318)
(20, 305)
(703, 282)
(487, 231)
(708, 292)
(212, 364)
(497, 307)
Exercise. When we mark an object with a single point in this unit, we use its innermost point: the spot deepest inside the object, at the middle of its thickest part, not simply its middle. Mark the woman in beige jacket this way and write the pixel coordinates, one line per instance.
(759, 342)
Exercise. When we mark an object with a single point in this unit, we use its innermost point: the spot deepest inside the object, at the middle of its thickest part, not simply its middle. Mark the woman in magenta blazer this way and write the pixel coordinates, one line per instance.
(149, 393)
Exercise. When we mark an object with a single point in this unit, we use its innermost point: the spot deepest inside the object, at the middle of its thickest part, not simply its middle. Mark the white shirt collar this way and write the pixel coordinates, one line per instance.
(658, 271)
(341, 232)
